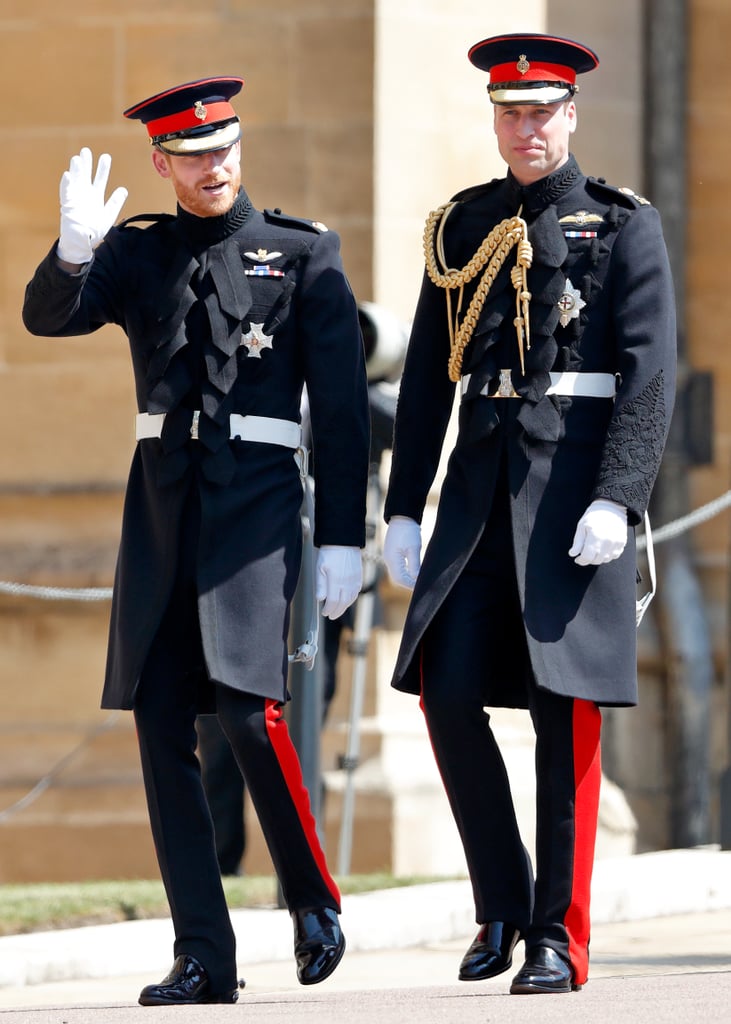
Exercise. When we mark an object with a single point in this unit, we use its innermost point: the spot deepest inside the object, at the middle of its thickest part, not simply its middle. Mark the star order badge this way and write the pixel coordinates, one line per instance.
(256, 340)
(570, 303)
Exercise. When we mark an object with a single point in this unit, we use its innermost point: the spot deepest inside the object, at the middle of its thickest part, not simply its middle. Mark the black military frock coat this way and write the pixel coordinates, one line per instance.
(561, 452)
(229, 314)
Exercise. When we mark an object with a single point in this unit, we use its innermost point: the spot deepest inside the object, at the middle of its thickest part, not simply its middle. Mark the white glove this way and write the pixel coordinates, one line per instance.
(601, 534)
(402, 550)
(85, 217)
(339, 574)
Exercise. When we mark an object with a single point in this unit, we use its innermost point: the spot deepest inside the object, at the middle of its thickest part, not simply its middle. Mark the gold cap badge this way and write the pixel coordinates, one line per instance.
(200, 111)
(523, 64)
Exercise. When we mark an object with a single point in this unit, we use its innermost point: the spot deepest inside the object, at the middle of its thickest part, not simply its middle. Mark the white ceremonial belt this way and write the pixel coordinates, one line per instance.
(568, 384)
(269, 430)
(246, 428)
(585, 385)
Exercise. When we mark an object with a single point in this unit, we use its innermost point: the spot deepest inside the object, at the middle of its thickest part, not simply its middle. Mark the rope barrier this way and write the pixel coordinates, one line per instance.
(678, 526)
(56, 593)
(42, 785)
(663, 533)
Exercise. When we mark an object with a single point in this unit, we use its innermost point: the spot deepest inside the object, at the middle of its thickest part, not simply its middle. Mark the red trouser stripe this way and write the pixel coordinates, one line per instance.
(286, 755)
(587, 721)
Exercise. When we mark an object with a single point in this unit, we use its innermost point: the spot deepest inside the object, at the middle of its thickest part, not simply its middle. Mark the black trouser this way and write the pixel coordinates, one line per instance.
(224, 787)
(463, 646)
(165, 712)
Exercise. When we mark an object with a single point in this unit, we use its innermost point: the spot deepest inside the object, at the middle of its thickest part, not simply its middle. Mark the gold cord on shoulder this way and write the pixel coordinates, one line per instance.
(490, 256)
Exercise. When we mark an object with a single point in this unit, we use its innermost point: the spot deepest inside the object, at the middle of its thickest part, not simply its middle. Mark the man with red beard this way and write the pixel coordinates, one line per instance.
(230, 312)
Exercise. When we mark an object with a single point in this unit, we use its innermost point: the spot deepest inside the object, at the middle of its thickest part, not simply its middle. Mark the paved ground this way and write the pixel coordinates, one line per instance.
(674, 966)
(675, 969)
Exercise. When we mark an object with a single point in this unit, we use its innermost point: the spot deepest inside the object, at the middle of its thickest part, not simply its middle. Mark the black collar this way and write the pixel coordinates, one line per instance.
(202, 232)
(534, 198)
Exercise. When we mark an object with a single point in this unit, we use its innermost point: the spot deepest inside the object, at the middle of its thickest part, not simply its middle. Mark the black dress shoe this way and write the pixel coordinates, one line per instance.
(319, 943)
(187, 982)
(543, 971)
(491, 953)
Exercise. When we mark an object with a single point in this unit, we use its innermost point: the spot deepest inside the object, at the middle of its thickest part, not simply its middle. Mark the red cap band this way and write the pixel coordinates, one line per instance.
(538, 71)
(192, 117)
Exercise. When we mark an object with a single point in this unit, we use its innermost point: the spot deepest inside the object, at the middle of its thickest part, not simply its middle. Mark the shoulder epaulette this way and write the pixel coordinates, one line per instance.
(278, 217)
(476, 190)
(159, 218)
(619, 193)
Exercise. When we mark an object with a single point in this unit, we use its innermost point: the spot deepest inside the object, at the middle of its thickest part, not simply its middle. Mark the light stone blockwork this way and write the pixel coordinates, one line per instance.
(364, 114)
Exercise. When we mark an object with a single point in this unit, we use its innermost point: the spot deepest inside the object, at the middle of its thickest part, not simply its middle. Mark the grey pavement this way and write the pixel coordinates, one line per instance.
(661, 951)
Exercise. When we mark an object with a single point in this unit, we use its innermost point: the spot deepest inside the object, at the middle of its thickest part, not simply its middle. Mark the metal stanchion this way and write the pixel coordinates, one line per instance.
(726, 799)
(358, 648)
(725, 780)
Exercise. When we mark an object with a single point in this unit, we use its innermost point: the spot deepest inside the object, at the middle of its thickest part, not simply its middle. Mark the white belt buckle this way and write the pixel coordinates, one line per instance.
(194, 424)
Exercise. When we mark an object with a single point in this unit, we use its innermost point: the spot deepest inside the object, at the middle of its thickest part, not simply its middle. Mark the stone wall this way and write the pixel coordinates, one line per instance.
(66, 406)
(359, 113)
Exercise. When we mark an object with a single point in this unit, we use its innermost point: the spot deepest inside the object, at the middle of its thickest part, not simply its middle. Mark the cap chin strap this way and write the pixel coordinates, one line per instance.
(518, 93)
(192, 144)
